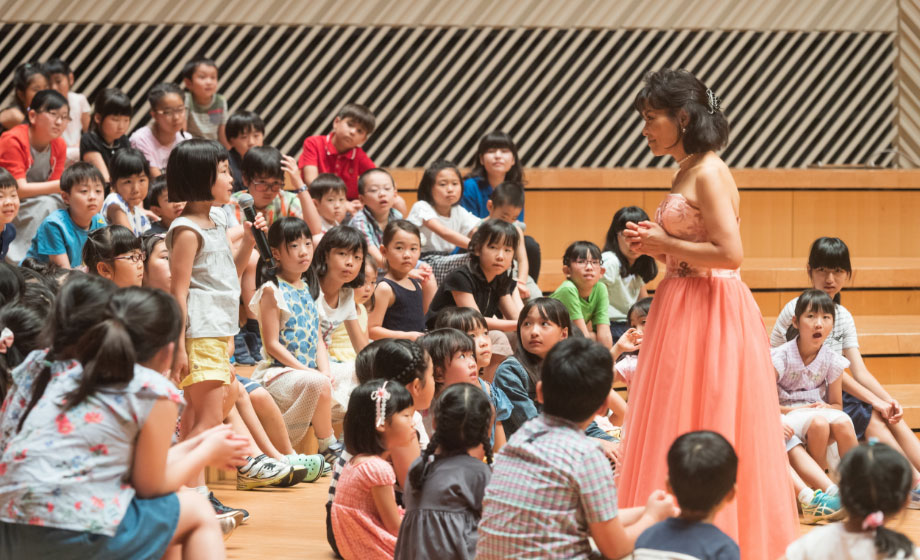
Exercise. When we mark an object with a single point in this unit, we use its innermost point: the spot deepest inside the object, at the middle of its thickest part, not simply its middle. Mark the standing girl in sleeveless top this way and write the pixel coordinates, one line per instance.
(705, 361)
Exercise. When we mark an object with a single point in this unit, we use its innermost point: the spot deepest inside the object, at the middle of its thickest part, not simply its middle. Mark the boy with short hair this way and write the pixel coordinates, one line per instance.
(702, 469)
(377, 192)
(577, 496)
(506, 203)
(157, 201)
(206, 109)
(245, 130)
(60, 77)
(9, 207)
(61, 236)
(328, 192)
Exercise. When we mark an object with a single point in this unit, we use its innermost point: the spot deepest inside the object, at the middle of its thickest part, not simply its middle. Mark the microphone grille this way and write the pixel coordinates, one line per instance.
(245, 200)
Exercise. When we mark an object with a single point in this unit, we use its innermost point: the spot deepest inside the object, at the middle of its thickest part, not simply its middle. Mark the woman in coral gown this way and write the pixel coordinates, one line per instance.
(705, 358)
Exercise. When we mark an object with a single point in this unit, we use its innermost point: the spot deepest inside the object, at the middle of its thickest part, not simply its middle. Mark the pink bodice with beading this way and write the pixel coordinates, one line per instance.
(680, 219)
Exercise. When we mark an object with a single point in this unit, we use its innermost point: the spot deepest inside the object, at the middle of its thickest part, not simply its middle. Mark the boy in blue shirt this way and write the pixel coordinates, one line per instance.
(702, 468)
(9, 207)
(61, 236)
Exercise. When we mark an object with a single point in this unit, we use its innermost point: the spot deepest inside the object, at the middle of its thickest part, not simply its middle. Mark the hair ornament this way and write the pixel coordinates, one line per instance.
(380, 397)
(714, 102)
(6, 340)
(873, 521)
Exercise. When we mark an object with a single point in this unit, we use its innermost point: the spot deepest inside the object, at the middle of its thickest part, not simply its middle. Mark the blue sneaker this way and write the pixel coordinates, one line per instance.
(823, 507)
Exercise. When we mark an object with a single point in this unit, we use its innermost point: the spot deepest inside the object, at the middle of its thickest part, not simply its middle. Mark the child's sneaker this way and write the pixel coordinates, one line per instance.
(260, 471)
(823, 507)
(333, 452)
(315, 465)
(914, 502)
(222, 511)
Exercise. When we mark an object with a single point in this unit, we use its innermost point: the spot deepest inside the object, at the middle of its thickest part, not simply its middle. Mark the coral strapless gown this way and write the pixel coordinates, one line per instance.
(705, 365)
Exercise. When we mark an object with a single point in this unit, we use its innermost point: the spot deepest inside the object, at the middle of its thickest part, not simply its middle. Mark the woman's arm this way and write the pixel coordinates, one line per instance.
(723, 250)
(447, 234)
(389, 513)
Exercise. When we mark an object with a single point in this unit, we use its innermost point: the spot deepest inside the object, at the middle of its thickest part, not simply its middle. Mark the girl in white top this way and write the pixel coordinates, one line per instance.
(205, 281)
(625, 273)
(445, 225)
(156, 141)
(808, 380)
(875, 481)
(338, 264)
(130, 177)
(875, 413)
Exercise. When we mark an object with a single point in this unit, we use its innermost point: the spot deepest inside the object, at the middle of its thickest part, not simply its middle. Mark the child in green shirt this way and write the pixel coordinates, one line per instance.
(582, 293)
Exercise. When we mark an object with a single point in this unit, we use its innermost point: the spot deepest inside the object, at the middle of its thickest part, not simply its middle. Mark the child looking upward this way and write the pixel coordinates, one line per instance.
(207, 109)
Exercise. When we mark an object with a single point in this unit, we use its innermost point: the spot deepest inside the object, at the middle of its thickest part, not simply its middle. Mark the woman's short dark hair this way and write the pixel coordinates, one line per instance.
(361, 436)
(675, 90)
(644, 265)
(192, 170)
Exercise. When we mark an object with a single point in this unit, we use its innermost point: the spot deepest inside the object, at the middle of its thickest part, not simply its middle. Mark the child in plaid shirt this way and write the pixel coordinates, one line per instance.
(576, 497)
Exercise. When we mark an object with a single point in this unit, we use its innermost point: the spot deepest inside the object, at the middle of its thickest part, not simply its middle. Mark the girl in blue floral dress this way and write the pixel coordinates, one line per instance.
(85, 433)
(295, 370)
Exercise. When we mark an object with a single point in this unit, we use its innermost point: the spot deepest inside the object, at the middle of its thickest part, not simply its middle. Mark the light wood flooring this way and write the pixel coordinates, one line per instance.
(291, 522)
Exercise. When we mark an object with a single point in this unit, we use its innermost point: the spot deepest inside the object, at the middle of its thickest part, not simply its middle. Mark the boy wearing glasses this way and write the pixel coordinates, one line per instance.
(35, 154)
(582, 293)
(61, 236)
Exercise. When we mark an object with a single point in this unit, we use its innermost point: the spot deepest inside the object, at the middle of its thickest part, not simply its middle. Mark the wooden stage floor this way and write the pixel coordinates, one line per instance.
(291, 522)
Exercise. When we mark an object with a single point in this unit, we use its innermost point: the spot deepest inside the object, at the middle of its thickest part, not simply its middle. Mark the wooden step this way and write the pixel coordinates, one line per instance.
(883, 334)
(858, 301)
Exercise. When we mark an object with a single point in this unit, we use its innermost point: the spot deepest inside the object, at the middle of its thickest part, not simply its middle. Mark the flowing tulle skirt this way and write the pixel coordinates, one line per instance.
(705, 365)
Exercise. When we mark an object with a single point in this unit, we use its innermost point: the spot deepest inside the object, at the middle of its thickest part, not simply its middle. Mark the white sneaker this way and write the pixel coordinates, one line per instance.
(260, 471)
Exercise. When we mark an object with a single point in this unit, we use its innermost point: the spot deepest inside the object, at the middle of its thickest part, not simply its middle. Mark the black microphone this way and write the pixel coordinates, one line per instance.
(246, 203)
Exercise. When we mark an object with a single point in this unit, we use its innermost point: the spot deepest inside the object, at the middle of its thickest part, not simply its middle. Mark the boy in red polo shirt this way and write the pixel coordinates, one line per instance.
(340, 153)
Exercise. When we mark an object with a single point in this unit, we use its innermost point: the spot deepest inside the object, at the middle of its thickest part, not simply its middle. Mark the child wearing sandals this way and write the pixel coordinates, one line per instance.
(365, 515)
(400, 301)
(808, 378)
(85, 446)
(446, 484)
(295, 370)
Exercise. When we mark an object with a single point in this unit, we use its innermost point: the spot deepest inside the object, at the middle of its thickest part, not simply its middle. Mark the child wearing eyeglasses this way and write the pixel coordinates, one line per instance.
(157, 140)
(582, 293)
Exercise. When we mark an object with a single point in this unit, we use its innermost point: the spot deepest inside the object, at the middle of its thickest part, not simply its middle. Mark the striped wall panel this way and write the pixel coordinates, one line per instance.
(908, 141)
(794, 98)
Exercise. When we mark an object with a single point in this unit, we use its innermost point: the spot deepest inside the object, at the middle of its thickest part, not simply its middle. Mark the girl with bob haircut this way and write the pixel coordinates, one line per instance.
(704, 324)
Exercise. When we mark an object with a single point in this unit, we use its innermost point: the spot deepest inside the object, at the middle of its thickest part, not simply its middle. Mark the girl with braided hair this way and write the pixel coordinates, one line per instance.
(446, 484)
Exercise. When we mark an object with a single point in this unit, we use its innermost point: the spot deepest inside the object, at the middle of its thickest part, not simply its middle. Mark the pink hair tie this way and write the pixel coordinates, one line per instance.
(380, 398)
(6, 340)
(873, 521)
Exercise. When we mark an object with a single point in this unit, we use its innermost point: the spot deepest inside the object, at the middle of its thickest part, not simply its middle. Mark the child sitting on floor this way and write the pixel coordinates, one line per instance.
(583, 294)
(702, 468)
(567, 509)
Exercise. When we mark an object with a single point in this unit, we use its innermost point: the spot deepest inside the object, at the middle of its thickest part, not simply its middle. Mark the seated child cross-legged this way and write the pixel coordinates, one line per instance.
(577, 496)
(446, 484)
(365, 517)
(702, 469)
(808, 377)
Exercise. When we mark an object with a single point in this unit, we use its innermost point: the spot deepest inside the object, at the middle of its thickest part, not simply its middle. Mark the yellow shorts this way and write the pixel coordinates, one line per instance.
(208, 360)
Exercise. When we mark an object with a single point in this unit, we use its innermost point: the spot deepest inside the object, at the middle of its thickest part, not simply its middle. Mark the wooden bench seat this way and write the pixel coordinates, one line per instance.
(883, 334)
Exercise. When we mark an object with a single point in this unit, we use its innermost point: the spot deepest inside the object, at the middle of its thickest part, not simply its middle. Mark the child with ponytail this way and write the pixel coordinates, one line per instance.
(446, 484)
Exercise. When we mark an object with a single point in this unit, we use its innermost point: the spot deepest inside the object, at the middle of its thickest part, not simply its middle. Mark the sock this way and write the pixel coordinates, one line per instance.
(325, 442)
(203, 490)
(806, 496)
(832, 490)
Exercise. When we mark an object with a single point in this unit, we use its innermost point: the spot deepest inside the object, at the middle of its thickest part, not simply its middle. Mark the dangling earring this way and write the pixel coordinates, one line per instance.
(683, 130)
